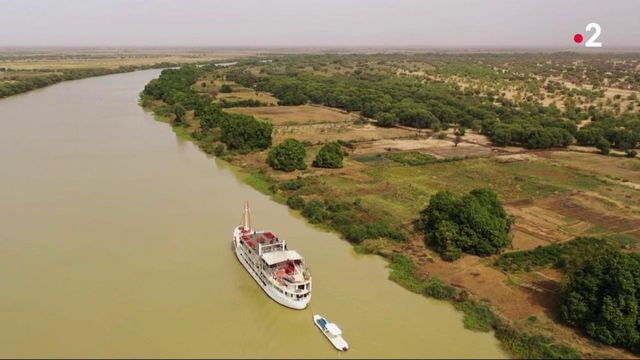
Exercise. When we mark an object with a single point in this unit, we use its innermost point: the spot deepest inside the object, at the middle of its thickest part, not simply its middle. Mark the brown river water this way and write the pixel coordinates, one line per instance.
(115, 242)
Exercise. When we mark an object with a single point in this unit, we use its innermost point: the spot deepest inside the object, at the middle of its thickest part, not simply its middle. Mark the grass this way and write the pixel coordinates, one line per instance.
(411, 158)
(477, 316)
(402, 271)
(259, 181)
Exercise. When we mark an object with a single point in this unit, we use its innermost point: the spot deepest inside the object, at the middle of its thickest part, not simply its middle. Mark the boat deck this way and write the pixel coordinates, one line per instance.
(253, 238)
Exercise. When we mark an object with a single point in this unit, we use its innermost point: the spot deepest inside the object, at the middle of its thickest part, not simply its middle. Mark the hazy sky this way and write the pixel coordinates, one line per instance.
(450, 23)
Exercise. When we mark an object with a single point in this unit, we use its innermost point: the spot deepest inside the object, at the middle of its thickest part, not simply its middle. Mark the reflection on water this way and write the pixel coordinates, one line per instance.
(115, 240)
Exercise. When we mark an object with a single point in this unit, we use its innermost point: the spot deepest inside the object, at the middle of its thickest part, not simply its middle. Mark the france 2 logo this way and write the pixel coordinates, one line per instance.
(591, 42)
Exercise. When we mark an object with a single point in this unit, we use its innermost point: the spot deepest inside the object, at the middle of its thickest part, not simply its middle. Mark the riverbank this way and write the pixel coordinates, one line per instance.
(38, 79)
(478, 314)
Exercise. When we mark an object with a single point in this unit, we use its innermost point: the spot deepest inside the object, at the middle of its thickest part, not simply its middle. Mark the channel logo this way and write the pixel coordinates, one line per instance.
(591, 42)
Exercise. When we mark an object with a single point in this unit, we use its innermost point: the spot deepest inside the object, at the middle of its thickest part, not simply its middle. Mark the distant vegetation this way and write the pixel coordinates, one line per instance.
(44, 78)
(438, 104)
(474, 223)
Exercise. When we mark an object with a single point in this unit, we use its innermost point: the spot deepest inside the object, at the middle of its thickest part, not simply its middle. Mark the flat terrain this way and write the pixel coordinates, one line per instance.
(296, 115)
(52, 59)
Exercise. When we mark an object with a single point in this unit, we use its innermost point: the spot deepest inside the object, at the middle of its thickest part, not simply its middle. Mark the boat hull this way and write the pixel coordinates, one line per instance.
(275, 295)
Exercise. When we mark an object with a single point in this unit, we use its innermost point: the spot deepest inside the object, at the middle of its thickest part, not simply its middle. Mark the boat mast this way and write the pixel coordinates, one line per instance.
(246, 219)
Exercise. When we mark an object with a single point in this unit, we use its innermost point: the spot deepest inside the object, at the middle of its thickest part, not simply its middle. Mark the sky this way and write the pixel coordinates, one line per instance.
(316, 23)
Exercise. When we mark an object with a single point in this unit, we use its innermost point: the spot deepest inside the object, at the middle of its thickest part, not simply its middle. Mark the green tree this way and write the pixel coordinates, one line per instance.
(386, 119)
(226, 88)
(589, 135)
(288, 156)
(180, 112)
(244, 133)
(474, 223)
(501, 136)
(602, 298)
(329, 156)
(603, 145)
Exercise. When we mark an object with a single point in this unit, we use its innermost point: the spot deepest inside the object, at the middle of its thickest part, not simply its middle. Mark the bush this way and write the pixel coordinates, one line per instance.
(226, 88)
(292, 185)
(602, 298)
(526, 346)
(288, 156)
(631, 153)
(218, 150)
(563, 256)
(435, 288)
(474, 223)
(296, 202)
(329, 156)
(315, 212)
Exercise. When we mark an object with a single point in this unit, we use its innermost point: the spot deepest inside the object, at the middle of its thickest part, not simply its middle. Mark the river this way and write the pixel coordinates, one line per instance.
(115, 242)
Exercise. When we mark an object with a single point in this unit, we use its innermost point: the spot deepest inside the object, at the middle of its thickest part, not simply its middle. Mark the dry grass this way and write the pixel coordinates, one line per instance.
(248, 94)
(296, 115)
(327, 132)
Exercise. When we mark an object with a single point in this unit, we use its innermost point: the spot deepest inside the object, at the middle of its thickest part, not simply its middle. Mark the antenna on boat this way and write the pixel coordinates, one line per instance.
(246, 219)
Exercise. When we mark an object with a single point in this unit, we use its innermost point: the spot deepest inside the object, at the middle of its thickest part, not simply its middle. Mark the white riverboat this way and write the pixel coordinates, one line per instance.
(280, 272)
(332, 332)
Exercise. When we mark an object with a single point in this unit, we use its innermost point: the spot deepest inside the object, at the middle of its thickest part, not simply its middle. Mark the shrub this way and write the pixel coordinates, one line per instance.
(288, 156)
(296, 202)
(438, 290)
(474, 223)
(563, 256)
(631, 153)
(315, 211)
(292, 185)
(218, 150)
(329, 156)
(526, 346)
(226, 88)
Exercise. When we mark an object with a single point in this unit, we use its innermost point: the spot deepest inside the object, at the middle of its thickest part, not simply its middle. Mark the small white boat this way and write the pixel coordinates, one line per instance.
(332, 332)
